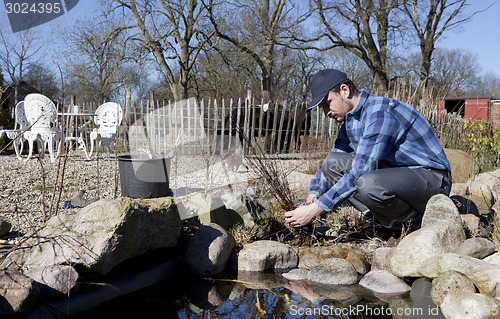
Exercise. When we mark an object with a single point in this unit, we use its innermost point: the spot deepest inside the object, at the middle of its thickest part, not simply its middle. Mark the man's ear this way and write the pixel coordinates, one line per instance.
(345, 91)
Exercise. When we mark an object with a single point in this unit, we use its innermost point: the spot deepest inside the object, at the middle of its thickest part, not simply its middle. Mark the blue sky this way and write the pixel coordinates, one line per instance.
(480, 36)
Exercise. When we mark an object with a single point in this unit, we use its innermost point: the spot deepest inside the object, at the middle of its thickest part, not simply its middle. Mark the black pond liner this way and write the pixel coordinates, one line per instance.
(144, 177)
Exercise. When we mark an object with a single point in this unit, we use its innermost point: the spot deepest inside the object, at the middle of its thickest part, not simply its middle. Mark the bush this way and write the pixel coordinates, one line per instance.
(483, 143)
(5, 120)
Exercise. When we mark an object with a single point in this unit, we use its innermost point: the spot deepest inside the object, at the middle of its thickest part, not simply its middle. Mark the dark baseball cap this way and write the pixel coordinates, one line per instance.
(322, 82)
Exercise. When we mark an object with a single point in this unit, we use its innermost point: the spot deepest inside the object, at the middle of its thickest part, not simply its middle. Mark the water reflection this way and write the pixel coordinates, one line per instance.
(249, 295)
(269, 295)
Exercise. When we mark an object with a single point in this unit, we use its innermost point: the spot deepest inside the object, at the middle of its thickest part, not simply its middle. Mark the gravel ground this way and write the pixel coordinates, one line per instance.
(21, 186)
(21, 183)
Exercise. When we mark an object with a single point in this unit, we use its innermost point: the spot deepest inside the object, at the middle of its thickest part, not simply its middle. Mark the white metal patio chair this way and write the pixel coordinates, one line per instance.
(109, 116)
(16, 134)
(42, 114)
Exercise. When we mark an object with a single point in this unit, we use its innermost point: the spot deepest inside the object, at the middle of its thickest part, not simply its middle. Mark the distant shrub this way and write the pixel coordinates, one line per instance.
(5, 120)
(483, 143)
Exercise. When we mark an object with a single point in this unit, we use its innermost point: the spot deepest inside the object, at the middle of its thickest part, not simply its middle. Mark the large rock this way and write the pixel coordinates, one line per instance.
(464, 264)
(480, 205)
(384, 282)
(333, 271)
(208, 251)
(476, 247)
(490, 179)
(469, 305)
(450, 282)
(264, 255)
(296, 274)
(18, 292)
(483, 191)
(461, 165)
(487, 281)
(311, 256)
(418, 246)
(382, 258)
(102, 234)
(472, 224)
(442, 231)
(56, 279)
(435, 265)
(493, 259)
(459, 189)
(430, 268)
(440, 208)
(357, 260)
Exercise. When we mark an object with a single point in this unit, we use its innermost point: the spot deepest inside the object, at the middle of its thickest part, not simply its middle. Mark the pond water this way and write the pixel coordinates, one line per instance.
(155, 286)
(249, 295)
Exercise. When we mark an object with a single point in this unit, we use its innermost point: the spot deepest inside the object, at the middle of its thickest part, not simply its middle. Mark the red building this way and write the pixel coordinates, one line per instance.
(486, 108)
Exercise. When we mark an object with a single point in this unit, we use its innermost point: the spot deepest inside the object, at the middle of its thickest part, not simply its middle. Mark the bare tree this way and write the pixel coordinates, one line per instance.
(363, 27)
(430, 20)
(490, 84)
(225, 72)
(259, 28)
(175, 32)
(292, 77)
(98, 63)
(17, 53)
(351, 64)
(455, 73)
(44, 80)
(5, 120)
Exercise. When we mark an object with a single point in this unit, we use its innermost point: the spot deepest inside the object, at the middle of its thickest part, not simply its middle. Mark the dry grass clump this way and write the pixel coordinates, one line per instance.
(241, 234)
(274, 227)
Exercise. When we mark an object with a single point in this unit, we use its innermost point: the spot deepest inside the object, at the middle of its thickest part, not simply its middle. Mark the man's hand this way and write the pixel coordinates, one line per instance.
(303, 215)
(311, 198)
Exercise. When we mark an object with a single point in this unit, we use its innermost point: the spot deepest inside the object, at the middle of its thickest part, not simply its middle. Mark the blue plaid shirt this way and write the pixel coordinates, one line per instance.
(383, 133)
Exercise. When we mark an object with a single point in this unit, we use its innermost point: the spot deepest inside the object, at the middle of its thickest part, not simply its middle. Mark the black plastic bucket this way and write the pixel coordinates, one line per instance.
(144, 178)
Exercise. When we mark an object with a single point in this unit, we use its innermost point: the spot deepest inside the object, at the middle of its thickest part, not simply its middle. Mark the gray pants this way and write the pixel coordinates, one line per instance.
(392, 195)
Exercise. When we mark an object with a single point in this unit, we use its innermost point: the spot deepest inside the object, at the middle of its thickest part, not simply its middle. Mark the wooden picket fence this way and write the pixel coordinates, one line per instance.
(190, 127)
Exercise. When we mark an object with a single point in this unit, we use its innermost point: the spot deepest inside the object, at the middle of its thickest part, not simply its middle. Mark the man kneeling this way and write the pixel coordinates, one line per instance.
(386, 160)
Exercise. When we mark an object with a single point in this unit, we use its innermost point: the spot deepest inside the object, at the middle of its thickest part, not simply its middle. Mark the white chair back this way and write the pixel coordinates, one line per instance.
(109, 116)
(15, 134)
(40, 111)
(21, 118)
